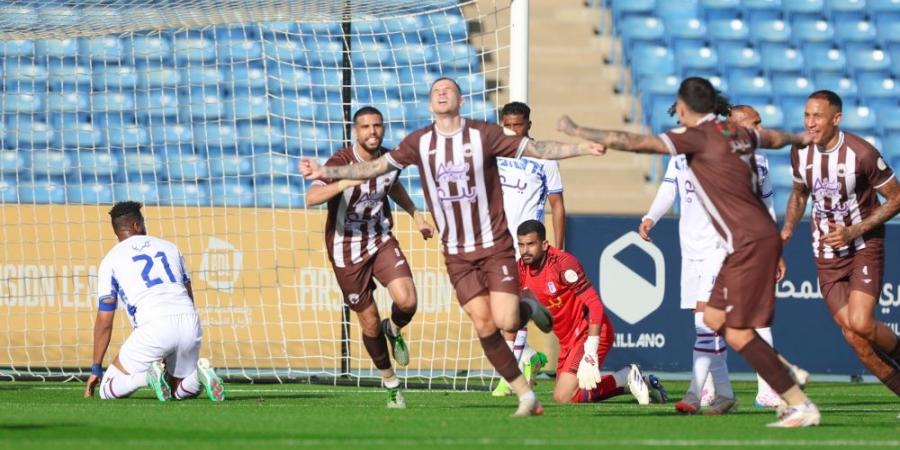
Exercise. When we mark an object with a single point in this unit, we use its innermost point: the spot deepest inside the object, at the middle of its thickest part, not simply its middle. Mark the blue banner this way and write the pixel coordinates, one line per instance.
(640, 285)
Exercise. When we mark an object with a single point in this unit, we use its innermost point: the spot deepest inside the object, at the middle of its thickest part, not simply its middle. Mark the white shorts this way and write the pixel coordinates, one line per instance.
(698, 277)
(173, 338)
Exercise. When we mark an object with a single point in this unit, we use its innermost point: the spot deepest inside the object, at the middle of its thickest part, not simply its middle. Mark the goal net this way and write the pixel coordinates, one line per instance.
(201, 110)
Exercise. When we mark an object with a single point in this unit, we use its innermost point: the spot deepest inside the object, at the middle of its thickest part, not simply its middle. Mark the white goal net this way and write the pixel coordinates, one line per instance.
(201, 110)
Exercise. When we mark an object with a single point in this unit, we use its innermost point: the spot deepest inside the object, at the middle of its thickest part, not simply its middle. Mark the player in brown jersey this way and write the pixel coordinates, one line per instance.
(456, 158)
(721, 162)
(843, 174)
(361, 247)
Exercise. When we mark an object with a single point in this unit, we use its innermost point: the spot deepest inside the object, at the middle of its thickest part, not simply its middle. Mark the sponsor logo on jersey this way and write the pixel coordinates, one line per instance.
(221, 265)
(551, 287)
(624, 292)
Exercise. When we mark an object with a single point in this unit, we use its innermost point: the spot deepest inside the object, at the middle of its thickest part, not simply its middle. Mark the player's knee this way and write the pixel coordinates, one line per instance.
(737, 338)
(713, 321)
(863, 325)
(508, 324)
(563, 397)
(111, 372)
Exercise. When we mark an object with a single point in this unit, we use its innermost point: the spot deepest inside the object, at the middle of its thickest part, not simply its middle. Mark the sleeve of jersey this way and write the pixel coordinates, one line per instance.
(877, 170)
(684, 140)
(406, 154)
(107, 286)
(665, 195)
(554, 181)
(572, 274)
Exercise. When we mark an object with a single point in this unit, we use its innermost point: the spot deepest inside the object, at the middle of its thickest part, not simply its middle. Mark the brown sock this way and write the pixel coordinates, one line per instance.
(891, 379)
(500, 356)
(524, 315)
(895, 353)
(400, 317)
(378, 350)
(764, 360)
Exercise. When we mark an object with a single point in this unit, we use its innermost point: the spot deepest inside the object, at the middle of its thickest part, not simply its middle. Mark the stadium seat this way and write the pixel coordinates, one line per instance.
(247, 107)
(67, 102)
(9, 191)
(479, 109)
(471, 83)
(407, 54)
(284, 50)
(22, 102)
(867, 58)
(49, 163)
(236, 50)
(889, 119)
(876, 8)
(149, 48)
(770, 115)
(248, 78)
(765, 9)
(804, 29)
(769, 30)
(660, 120)
(393, 134)
(42, 192)
(184, 194)
(647, 30)
(96, 164)
(322, 53)
(376, 80)
(24, 75)
(201, 105)
(324, 80)
(888, 29)
(18, 48)
(202, 77)
(22, 132)
(877, 89)
(260, 138)
(222, 164)
(300, 107)
(858, 119)
(114, 78)
(845, 9)
(279, 166)
(370, 54)
(231, 192)
(308, 139)
(861, 30)
(156, 104)
(188, 47)
(793, 109)
(794, 8)
(286, 77)
(651, 59)
(108, 49)
(115, 102)
(278, 194)
(788, 85)
(841, 85)
(156, 76)
(170, 134)
(137, 190)
(446, 26)
(779, 58)
(56, 48)
(691, 57)
(734, 57)
(82, 135)
(63, 76)
(681, 29)
(746, 88)
(12, 161)
(418, 114)
(456, 56)
(144, 166)
(626, 8)
(222, 137)
(186, 166)
(89, 193)
(728, 29)
(824, 58)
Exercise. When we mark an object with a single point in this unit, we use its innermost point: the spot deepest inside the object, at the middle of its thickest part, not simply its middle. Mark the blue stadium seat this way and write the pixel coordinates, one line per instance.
(231, 193)
(42, 192)
(765, 9)
(223, 164)
(67, 102)
(692, 57)
(232, 50)
(222, 137)
(127, 136)
(877, 88)
(22, 102)
(771, 115)
(415, 83)
(248, 78)
(12, 161)
(237, 31)
(82, 135)
(116, 102)
(330, 29)
(393, 134)
(446, 26)
(778, 58)
(794, 8)
(728, 29)
(403, 23)
(66, 76)
(858, 119)
(188, 47)
(456, 56)
(56, 48)
(114, 78)
(824, 58)
(279, 166)
(646, 30)
(16, 48)
(89, 193)
(841, 85)
(149, 48)
(660, 120)
(137, 190)
(147, 166)
(418, 114)
(867, 58)
(715, 9)
(471, 83)
(480, 109)
(413, 54)
(877, 8)
(781, 174)
(9, 191)
(367, 26)
(888, 31)
(736, 57)
(787, 85)
(285, 50)
(300, 107)
(202, 77)
(186, 166)
(23, 132)
(96, 164)
(370, 54)
(806, 29)
(286, 77)
(889, 119)
(155, 104)
(769, 30)
(793, 109)
(107, 49)
(626, 8)
(651, 59)
(861, 30)
(374, 79)
(49, 163)
(672, 9)
(156, 76)
(260, 138)
(681, 29)
(746, 88)
(184, 194)
(279, 194)
(326, 80)
(170, 135)
(845, 9)
(309, 139)
(201, 105)
(247, 107)
(24, 75)
(322, 53)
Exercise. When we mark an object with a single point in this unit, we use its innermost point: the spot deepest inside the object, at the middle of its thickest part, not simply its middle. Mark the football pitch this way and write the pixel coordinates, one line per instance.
(54, 416)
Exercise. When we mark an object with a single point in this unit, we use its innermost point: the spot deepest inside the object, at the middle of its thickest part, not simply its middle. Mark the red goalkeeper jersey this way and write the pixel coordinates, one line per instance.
(561, 285)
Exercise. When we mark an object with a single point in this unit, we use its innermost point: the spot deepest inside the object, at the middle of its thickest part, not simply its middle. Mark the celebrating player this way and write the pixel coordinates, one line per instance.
(527, 184)
(456, 158)
(149, 276)
(702, 255)
(843, 173)
(721, 164)
(585, 332)
(361, 247)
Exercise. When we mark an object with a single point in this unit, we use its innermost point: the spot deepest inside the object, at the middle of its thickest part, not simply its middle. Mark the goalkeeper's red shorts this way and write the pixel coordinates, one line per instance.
(570, 356)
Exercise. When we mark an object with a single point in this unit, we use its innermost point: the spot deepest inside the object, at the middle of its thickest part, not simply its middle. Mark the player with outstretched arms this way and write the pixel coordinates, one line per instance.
(457, 162)
(721, 164)
(362, 248)
(149, 276)
(585, 333)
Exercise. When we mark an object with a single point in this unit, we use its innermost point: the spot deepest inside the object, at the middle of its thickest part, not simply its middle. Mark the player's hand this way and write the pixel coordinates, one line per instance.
(786, 236)
(344, 184)
(424, 226)
(592, 148)
(805, 138)
(92, 383)
(310, 169)
(567, 126)
(780, 270)
(588, 373)
(838, 236)
(644, 229)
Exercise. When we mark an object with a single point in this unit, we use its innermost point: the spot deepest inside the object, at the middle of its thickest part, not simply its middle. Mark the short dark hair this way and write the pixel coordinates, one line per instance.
(532, 226)
(702, 97)
(125, 213)
(516, 109)
(458, 89)
(365, 111)
(830, 96)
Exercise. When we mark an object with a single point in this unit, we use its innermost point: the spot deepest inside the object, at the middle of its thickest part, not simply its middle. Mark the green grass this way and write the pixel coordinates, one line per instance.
(53, 415)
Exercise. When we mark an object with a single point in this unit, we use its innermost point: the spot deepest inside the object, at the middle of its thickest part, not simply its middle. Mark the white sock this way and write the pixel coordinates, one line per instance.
(116, 384)
(718, 368)
(709, 386)
(520, 343)
(766, 335)
(389, 378)
(528, 395)
(189, 387)
(395, 330)
(621, 376)
(704, 346)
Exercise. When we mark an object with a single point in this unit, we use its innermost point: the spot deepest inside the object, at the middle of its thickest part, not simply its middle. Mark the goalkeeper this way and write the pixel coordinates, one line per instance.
(584, 331)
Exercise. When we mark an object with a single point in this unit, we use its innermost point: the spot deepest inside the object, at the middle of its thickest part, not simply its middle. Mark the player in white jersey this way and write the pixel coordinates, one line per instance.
(702, 255)
(527, 184)
(149, 276)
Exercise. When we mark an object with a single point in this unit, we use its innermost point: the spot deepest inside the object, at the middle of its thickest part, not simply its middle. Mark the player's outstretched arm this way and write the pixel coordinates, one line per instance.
(617, 140)
(840, 235)
(796, 205)
(321, 194)
(401, 197)
(311, 170)
(558, 150)
(103, 327)
(771, 138)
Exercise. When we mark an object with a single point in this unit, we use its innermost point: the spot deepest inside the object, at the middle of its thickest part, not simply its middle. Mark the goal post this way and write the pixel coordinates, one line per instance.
(201, 109)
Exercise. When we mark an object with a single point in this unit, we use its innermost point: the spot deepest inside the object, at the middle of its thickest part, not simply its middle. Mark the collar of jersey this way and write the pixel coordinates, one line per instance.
(840, 142)
(462, 124)
(707, 118)
(358, 158)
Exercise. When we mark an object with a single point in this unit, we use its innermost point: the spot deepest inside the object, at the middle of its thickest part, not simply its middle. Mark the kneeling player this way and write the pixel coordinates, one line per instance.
(585, 333)
(149, 276)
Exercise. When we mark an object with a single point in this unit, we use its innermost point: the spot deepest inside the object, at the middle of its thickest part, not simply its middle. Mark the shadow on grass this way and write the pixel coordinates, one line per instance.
(272, 396)
(35, 426)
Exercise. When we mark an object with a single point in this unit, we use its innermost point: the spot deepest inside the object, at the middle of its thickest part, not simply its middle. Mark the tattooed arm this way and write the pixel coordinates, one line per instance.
(841, 235)
(796, 206)
(559, 150)
(780, 139)
(311, 170)
(618, 140)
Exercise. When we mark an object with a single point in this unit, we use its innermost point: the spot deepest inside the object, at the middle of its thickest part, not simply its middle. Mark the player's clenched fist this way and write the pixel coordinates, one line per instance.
(310, 169)
(588, 370)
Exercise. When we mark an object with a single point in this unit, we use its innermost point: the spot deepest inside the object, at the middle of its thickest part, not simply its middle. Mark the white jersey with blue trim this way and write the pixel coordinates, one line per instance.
(148, 275)
(526, 184)
(699, 239)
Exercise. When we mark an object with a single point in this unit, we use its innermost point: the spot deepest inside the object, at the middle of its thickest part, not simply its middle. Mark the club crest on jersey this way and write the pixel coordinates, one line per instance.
(551, 288)
(353, 299)
(842, 170)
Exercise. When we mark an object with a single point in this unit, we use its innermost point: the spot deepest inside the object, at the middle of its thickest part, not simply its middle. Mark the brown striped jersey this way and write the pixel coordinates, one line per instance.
(842, 182)
(461, 182)
(359, 219)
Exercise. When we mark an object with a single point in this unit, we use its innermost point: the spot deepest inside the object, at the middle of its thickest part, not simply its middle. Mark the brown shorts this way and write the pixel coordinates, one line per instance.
(745, 287)
(472, 275)
(357, 280)
(862, 271)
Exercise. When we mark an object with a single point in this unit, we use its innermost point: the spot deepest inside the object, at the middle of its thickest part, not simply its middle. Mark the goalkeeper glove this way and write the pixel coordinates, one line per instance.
(589, 370)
